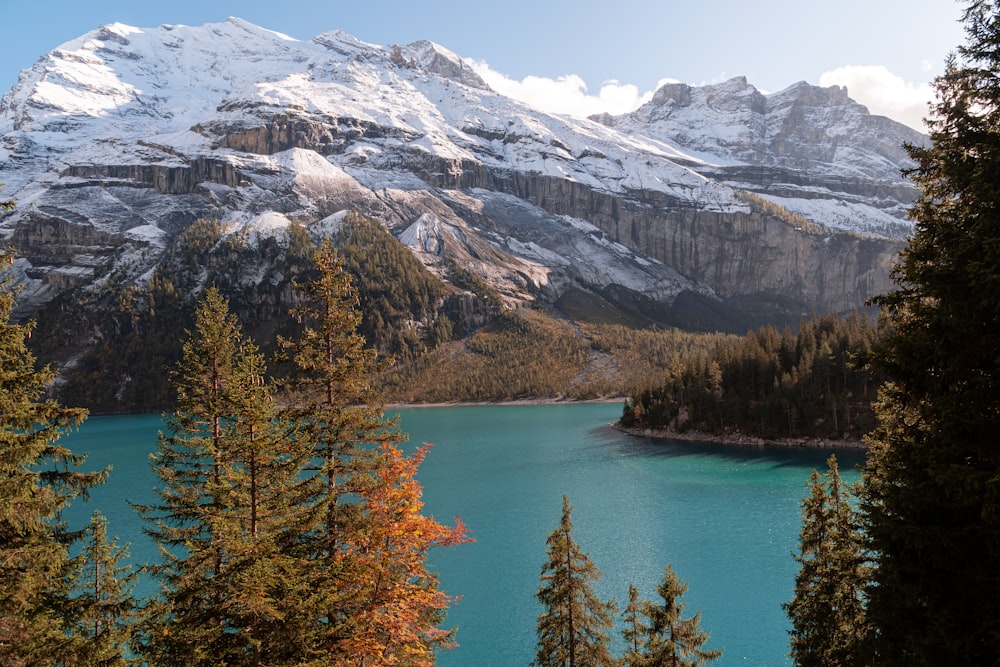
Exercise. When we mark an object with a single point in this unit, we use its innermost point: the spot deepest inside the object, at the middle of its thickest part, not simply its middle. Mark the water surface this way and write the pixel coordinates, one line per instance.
(726, 517)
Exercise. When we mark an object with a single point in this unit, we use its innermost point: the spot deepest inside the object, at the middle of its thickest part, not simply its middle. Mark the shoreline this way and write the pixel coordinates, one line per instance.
(522, 401)
(738, 438)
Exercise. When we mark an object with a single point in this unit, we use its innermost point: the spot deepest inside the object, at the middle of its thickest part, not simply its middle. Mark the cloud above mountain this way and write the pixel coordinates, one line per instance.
(567, 94)
(884, 93)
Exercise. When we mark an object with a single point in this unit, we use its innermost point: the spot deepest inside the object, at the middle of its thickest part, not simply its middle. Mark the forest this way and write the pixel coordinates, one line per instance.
(814, 383)
(291, 523)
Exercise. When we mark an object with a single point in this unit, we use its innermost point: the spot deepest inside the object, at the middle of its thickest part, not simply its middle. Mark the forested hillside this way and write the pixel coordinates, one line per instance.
(454, 341)
(770, 384)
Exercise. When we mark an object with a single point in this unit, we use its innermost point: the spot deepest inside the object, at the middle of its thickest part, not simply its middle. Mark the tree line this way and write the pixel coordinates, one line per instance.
(288, 517)
(770, 384)
(904, 569)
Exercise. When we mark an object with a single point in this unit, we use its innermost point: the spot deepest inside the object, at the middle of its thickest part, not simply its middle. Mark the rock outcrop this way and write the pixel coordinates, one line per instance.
(794, 197)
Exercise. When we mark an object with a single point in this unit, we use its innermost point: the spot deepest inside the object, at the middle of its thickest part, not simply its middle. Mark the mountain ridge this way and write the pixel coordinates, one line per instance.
(116, 142)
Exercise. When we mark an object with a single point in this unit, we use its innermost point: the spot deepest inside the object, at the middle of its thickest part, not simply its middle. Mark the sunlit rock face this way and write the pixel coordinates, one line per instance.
(116, 142)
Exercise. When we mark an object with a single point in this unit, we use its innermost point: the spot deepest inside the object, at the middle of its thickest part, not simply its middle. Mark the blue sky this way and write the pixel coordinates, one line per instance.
(580, 55)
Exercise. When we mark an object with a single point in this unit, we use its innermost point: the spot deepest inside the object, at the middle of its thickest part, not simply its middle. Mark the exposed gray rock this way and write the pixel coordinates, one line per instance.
(230, 121)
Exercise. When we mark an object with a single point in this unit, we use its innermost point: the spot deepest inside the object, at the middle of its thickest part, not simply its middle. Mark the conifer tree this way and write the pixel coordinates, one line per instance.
(401, 604)
(103, 609)
(228, 516)
(372, 599)
(827, 612)
(666, 639)
(574, 624)
(38, 478)
(187, 626)
(931, 498)
(636, 630)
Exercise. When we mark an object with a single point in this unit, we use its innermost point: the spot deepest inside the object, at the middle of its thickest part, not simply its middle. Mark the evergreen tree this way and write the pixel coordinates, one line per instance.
(931, 497)
(827, 612)
(38, 478)
(574, 624)
(372, 600)
(665, 639)
(227, 518)
(103, 609)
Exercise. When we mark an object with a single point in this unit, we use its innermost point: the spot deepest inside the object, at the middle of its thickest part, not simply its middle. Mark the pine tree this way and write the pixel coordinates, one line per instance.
(931, 499)
(665, 639)
(372, 600)
(38, 478)
(574, 624)
(103, 608)
(228, 517)
(827, 612)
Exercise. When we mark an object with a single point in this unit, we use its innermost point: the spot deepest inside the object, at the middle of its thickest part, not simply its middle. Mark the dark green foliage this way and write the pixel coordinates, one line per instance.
(398, 298)
(229, 478)
(827, 612)
(574, 624)
(657, 635)
(103, 610)
(769, 384)
(135, 333)
(38, 479)
(931, 493)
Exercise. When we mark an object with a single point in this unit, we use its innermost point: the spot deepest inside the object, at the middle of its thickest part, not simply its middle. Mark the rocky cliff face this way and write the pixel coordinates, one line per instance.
(116, 142)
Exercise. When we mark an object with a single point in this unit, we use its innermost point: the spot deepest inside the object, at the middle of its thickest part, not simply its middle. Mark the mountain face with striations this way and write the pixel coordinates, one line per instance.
(115, 143)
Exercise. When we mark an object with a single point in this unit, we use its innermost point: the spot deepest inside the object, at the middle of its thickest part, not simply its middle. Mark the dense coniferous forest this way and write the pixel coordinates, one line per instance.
(770, 384)
(455, 342)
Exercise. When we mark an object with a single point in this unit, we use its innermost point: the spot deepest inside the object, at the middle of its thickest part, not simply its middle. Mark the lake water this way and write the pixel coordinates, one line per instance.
(727, 518)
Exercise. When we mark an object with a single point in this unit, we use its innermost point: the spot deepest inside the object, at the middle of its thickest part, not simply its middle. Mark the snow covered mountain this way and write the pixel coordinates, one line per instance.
(117, 141)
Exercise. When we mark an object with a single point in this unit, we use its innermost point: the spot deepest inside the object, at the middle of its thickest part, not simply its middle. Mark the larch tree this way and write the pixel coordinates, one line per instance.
(931, 498)
(574, 624)
(668, 639)
(400, 604)
(38, 479)
(636, 630)
(828, 609)
(372, 600)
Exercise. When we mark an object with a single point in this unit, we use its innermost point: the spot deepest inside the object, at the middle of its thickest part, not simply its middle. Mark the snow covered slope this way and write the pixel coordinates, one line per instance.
(117, 141)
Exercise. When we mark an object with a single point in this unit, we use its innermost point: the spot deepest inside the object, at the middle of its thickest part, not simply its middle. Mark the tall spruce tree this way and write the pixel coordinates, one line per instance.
(574, 624)
(931, 493)
(227, 518)
(38, 479)
(827, 612)
(665, 638)
(372, 600)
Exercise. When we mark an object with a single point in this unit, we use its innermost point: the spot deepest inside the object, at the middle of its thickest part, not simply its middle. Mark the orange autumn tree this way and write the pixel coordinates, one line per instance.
(363, 542)
(400, 602)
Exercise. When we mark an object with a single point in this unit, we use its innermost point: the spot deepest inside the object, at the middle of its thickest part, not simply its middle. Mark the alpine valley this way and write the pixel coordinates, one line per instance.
(146, 163)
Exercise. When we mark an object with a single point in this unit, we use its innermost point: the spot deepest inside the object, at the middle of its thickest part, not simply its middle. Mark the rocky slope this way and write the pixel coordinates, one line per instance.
(114, 143)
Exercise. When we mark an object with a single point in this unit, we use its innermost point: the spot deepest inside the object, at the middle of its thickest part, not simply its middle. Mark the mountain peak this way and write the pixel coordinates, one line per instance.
(148, 129)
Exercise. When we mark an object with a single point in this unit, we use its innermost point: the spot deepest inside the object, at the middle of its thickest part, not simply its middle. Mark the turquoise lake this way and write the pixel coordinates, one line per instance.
(727, 518)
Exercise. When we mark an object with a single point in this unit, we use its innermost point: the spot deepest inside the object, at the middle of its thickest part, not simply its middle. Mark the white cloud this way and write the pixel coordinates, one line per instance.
(567, 94)
(883, 92)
